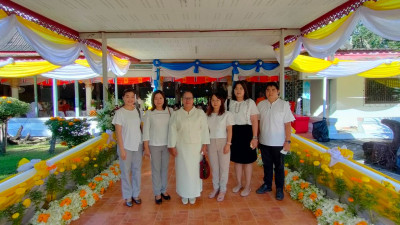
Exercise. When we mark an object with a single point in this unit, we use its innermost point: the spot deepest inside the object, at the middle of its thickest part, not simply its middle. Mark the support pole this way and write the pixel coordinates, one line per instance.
(105, 68)
(14, 82)
(76, 87)
(88, 90)
(55, 98)
(116, 90)
(324, 96)
(35, 93)
(282, 64)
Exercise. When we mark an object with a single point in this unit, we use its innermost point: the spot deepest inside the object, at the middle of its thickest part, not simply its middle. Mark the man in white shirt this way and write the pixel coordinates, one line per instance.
(275, 131)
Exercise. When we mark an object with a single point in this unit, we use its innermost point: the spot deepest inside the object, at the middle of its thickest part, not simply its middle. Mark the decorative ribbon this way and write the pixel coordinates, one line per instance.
(110, 136)
(28, 165)
(336, 155)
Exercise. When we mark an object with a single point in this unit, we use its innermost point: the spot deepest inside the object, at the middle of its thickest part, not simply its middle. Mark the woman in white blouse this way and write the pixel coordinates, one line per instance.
(155, 141)
(244, 135)
(188, 137)
(219, 151)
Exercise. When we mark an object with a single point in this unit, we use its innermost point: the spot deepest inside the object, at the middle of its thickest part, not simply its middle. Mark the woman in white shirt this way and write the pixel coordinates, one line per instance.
(244, 135)
(155, 141)
(188, 137)
(130, 148)
(219, 151)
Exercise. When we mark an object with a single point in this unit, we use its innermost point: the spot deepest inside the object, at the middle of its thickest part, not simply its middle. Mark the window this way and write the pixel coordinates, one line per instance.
(382, 90)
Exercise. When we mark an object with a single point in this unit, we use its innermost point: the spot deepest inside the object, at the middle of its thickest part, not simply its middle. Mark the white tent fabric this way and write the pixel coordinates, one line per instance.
(8, 61)
(384, 23)
(71, 72)
(344, 68)
(58, 54)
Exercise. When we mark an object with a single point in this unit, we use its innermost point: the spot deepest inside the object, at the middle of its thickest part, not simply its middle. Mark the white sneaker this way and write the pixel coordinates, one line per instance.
(192, 200)
(237, 188)
(185, 201)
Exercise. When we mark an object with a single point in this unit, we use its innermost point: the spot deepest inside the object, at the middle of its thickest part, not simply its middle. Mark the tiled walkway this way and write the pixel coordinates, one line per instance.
(253, 209)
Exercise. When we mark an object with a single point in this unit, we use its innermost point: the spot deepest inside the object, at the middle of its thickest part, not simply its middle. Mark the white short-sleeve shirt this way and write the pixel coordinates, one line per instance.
(130, 122)
(242, 111)
(155, 126)
(272, 121)
(218, 123)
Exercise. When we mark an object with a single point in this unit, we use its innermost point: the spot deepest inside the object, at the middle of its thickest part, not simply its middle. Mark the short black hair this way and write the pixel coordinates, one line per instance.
(128, 90)
(272, 84)
(244, 85)
(153, 106)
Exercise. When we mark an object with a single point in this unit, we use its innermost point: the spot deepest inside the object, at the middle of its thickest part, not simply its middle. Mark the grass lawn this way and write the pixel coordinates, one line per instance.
(9, 162)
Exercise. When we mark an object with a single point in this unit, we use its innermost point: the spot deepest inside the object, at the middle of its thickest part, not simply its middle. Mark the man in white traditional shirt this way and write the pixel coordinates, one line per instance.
(275, 131)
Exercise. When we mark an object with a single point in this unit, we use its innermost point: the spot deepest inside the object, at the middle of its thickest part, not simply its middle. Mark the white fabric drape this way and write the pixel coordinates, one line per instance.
(71, 72)
(57, 54)
(344, 68)
(263, 72)
(384, 23)
(8, 61)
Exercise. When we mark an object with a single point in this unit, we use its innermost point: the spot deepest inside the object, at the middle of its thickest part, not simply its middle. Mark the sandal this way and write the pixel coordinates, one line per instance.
(221, 196)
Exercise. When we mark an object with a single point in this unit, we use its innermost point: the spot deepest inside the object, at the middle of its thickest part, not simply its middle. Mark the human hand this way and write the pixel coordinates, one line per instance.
(253, 143)
(227, 149)
(204, 150)
(122, 154)
(286, 146)
(173, 151)
(146, 152)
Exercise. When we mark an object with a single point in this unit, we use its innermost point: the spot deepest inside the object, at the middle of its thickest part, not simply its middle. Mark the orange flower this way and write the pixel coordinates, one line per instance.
(102, 191)
(82, 193)
(337, 208)
(350, 199)
(337, 223)
(76, 120)
(9, 102)
(300, 196)
(43, 217)
(63, 143)
(304, 185)
(355, 179)
(306, 151)
(286, 172)
(313, 196)
(98, 179)
(110, 183)
(112, 168)
(115, 173)
(84, 203)
(95, 196)
(66, 202)
(52, 118)
(318, 213)
(104, 174)
(51, 167)
(301, 161)
(308, 155)
(288, 188)
(92, 185)
(77, 160)
(295, 178)
(67, 216)
(362, 223)
(70, 123)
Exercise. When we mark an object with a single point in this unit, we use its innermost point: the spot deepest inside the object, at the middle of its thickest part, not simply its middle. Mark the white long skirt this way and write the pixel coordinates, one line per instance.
(187, 170)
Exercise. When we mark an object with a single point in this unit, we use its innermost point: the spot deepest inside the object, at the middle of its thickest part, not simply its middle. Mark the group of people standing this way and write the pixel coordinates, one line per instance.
(230, 130)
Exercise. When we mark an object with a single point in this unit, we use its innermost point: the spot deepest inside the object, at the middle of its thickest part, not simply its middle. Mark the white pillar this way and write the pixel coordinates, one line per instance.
(116, 90)
(324, 96)
(35, 93)
(14, 87)
(76, 88)
(282, 64)
(55, 98)
(88, 90)
(105, 69)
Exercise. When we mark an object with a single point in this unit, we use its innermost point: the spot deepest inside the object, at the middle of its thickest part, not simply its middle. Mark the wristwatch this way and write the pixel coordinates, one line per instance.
(288, 141)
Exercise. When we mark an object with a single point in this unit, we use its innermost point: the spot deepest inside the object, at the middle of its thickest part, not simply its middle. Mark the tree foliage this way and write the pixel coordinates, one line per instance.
(11, 107)
(364, 39)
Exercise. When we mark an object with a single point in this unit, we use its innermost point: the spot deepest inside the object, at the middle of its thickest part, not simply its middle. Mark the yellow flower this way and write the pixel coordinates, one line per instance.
(9, 102)
(39, 182)
(26, 202)
(316, 163)
(70, 123)
(369, 187)
(324, 166)
(86, 159)
(56, 173)
(315, 154)
(95, 165)
(20, 191)
(94, 159)
(4, 97)
(3, 200)
(73, 166)
(298, 153)
(62, 170)
(286, 164)
(327, 170)
(365, 179)
(15, 216)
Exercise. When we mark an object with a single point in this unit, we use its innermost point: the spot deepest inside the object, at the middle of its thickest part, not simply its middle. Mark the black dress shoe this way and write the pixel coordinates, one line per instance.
(129, 204)
(158, 201)
(166, 197)
(279, 194)
(137, 201)
(263, 189)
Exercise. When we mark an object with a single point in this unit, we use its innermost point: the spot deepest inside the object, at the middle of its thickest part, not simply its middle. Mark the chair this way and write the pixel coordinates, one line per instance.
(384, 154)
(70, 113)
(61, 114)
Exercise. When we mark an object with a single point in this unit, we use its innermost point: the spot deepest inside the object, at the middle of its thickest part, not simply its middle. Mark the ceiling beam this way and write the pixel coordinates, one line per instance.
(189, 34)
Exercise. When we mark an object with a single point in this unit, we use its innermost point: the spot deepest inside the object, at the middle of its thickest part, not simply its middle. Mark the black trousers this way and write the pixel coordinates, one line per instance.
(271, 158)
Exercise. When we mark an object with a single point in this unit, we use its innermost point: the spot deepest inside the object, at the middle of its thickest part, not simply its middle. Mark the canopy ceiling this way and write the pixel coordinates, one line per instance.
(154, 17)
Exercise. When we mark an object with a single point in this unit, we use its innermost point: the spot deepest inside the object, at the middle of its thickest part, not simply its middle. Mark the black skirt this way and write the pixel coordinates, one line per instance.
(240, 149)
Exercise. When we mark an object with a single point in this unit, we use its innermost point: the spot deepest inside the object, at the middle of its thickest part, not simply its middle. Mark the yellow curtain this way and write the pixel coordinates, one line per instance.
(383, 4)
(26, 69)
(46, 33)
(328, 29)
(309, 64)
(3, 14)
(82, 62)
(121, 63)
(382, 71)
